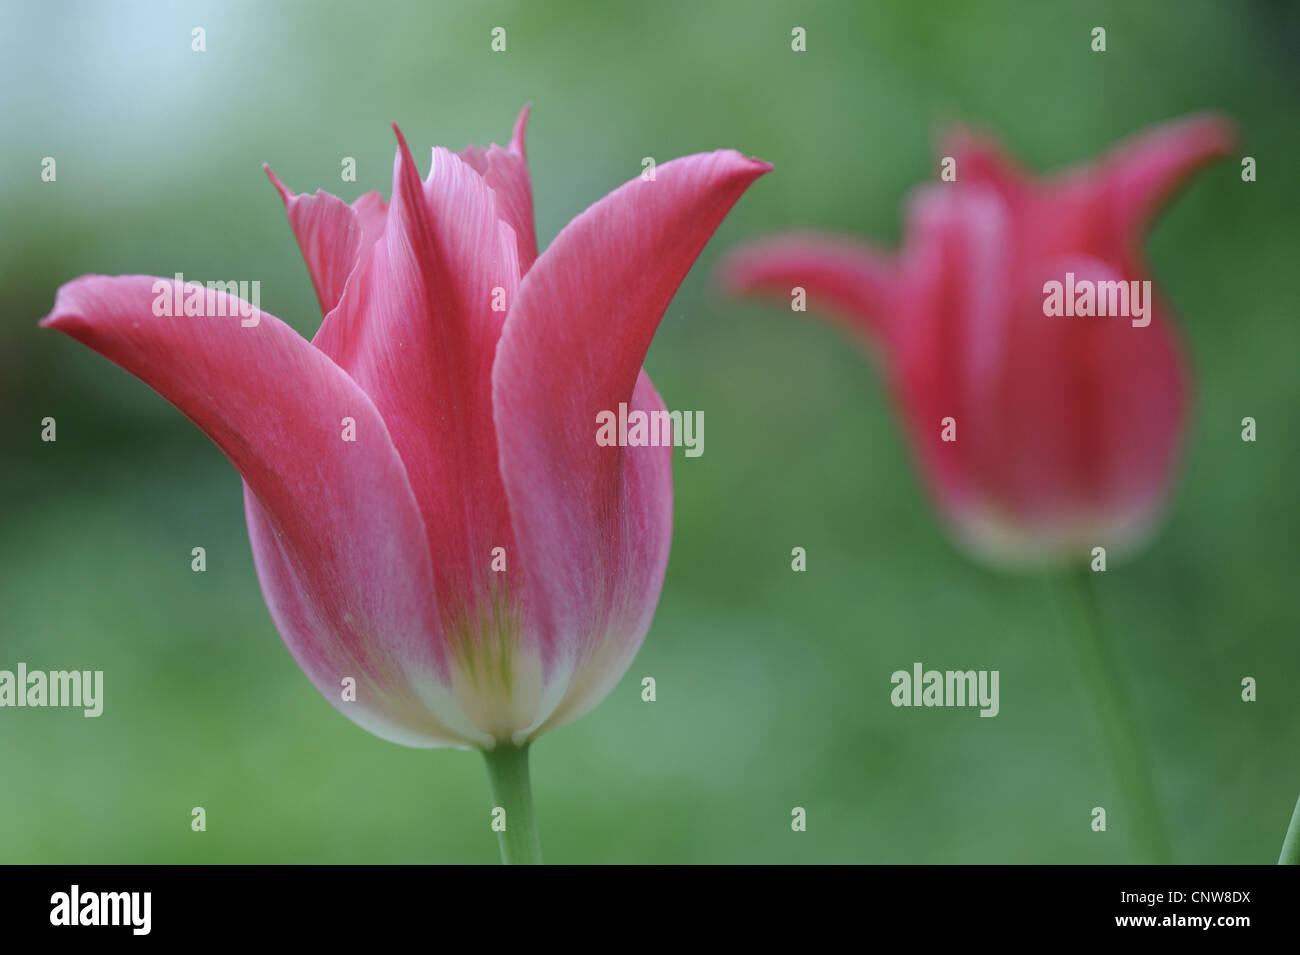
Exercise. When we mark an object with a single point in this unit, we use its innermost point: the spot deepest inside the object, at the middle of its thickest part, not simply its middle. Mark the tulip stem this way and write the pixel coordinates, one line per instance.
(512, 791)
(1102, 678)
(1291, 844)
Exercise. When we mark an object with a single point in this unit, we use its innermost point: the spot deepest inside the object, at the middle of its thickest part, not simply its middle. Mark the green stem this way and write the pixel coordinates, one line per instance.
(1291, 844)
(507, 768)
(1102, 679)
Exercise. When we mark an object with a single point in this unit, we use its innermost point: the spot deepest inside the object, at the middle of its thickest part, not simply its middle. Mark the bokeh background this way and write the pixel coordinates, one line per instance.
(773, 687)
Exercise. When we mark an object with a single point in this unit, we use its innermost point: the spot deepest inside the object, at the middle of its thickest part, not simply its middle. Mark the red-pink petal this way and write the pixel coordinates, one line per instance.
(506, 173)
(338, 539)
(418, 334)
(842, 277)
(1086, 416)
(946, 351)
(1143, 172)
(333, 236)
(592, 524)
(981, 160)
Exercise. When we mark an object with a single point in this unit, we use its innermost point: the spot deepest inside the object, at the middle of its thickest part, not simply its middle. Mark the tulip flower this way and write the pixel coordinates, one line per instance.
(446, 551)
(1040, 436)
(1039, 377)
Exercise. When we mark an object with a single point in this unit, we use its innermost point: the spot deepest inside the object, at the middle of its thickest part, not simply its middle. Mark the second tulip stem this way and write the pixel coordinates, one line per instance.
(1103, 679)
(512, 791)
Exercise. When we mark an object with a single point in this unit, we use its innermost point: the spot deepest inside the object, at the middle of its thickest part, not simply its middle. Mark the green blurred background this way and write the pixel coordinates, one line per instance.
(773, 687)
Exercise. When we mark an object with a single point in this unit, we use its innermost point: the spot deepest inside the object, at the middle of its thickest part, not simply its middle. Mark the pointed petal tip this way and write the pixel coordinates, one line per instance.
(517, 136)
(739, 167)
(406, 174)
(981, 157)
(55, 315)
(1149, 167)
(280, 187)
(957, 133)
(65, 312)
(401, 140)
(1217, 133)
(1213, 124)
(1195, 138)
(752, 164)
(397, 131)
(404, 150)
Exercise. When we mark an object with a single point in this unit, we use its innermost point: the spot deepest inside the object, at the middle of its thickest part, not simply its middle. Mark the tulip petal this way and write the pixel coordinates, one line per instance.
(946, 353)
(981, 160)
(592, 523)
(418, 330)
(333, 236)
(1086, 414)
(506, 173)
(1142, 173)
(339, 544)
(843, 277)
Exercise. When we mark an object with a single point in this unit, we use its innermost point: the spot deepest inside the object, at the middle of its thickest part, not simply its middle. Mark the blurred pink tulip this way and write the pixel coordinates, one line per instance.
(470, 556)
(1063, 430)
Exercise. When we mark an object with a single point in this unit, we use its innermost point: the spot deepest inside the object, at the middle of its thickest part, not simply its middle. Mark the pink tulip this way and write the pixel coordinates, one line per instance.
(1063, 431)
(469, 371)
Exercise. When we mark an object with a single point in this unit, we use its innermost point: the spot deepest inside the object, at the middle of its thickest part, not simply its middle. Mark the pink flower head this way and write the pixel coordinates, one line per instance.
(429, 511)
(1041, 434)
